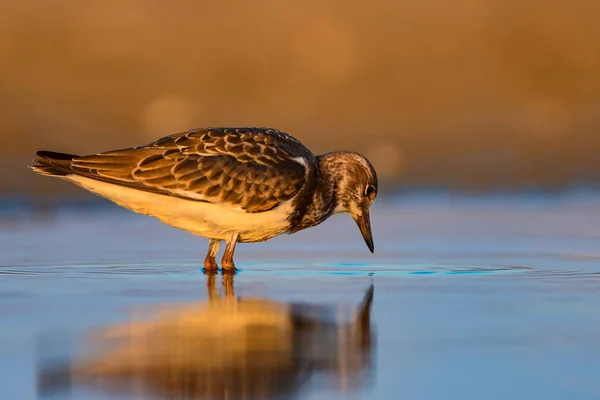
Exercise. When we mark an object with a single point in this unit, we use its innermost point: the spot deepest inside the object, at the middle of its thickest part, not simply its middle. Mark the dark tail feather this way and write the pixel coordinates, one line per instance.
(53, 164)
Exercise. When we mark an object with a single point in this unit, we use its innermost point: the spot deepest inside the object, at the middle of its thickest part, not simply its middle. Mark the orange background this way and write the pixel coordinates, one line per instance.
(481, 94)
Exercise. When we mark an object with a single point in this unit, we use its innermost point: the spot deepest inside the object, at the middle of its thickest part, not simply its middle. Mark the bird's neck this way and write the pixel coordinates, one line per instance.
(321, 200)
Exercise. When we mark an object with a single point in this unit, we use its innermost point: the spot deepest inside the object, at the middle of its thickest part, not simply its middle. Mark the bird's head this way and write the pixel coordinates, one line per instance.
(355, 183)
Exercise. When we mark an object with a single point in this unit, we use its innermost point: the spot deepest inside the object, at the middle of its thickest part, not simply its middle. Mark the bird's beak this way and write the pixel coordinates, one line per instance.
(364, 224)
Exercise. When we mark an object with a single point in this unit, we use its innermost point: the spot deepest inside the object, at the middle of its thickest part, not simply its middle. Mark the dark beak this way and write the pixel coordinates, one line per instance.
(364, 224)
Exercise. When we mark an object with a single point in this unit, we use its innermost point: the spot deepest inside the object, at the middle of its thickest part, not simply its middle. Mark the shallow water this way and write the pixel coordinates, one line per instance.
(495, 298)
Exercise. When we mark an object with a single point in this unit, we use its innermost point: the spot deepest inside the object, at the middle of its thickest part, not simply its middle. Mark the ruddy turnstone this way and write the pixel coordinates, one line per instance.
(232, 184)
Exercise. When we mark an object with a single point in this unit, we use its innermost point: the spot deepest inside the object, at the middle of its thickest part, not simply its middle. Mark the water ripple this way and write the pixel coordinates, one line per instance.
(186, 269)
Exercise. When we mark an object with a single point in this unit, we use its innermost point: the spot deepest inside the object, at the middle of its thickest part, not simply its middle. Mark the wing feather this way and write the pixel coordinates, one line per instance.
(255, 169)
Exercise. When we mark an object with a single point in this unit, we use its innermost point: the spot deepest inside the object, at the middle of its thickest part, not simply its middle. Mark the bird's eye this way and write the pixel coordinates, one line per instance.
(369, 190)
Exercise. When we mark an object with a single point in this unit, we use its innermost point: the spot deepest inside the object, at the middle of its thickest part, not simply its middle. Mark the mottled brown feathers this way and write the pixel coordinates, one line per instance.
(255, 169)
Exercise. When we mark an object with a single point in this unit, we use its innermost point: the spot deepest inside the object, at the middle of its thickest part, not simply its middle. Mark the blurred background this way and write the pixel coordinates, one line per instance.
(493, 95)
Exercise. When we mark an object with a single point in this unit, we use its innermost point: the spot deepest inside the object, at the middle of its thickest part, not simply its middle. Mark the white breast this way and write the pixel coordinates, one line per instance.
(200, 218)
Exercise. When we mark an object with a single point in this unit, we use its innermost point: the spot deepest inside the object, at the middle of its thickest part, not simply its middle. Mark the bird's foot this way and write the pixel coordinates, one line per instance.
(210, 265)
(228, 266)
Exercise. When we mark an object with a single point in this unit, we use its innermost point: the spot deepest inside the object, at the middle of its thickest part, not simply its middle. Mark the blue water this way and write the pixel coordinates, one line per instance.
(473, 299)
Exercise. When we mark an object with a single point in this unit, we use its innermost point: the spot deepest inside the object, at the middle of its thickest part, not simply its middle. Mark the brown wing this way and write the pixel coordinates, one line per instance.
(251, 168)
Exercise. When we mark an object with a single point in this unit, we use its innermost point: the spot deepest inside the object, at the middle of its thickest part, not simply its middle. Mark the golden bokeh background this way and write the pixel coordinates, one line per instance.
(493, 94)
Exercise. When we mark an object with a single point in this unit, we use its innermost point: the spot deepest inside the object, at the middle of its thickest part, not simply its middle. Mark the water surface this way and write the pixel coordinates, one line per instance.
(493, 298)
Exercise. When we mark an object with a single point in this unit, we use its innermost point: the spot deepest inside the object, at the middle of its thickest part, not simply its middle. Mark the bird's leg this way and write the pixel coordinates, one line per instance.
(213, 248)
(227, 260)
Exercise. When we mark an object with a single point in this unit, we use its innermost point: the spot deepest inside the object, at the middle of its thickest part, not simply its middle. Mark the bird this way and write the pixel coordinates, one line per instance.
(238, 185)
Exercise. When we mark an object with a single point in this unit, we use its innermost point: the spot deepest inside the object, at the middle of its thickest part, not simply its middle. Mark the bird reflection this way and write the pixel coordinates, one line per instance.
(225, 348)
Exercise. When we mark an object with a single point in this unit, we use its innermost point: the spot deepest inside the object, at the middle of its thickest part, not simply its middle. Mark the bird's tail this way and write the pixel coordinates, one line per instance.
(52, 164)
